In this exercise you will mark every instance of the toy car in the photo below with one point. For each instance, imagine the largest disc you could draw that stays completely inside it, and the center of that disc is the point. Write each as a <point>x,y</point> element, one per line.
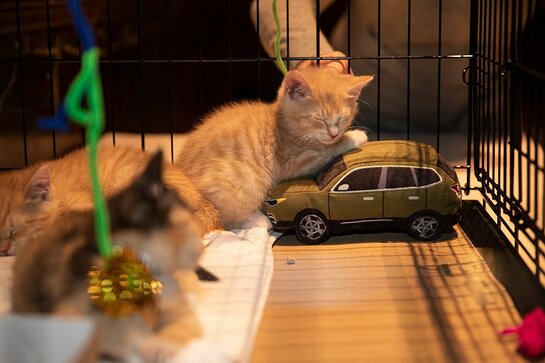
<point>401,184</point>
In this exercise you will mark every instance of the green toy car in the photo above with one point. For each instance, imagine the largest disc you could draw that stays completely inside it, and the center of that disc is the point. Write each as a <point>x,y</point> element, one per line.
<point>397,184</point>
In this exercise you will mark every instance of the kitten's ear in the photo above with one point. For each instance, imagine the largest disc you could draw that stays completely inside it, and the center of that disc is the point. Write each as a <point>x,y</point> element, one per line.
<point>297,86</point>
<point>153,174</point>
<point>361,82</point>
<point>38,189</point>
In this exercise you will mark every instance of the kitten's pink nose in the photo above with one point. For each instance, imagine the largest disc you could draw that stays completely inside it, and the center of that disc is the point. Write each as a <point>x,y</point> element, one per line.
<point>333,132</point>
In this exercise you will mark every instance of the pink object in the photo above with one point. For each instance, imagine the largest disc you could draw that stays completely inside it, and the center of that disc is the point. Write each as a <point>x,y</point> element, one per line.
<point>531,334</point>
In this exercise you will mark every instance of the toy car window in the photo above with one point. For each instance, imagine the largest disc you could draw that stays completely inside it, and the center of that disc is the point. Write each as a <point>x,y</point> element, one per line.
<point>426,176</point>
<point>400,177</point>
<point>360,180</point>
<point>330,172</point>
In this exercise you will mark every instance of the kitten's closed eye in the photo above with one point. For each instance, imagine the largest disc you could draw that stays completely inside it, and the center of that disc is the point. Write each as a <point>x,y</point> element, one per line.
<point>13,231</point>
<point>320,120</point>
<point>332,121</point>
<point>7,240</point>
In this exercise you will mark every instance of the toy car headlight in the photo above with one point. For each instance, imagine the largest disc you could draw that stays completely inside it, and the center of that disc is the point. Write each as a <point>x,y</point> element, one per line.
<point>276,201</point>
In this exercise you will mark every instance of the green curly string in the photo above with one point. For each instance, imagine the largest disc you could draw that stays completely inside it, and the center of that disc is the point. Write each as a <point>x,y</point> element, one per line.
<point>88,84</point>
<point>279,60</point>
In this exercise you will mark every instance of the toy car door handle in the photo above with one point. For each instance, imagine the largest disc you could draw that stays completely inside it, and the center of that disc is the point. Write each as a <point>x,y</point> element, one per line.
<point>413,197</point>
<point>368,198</point>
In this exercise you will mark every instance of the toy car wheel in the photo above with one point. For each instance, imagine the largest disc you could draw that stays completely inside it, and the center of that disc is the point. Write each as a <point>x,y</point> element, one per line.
<point>311,227</point>
<point>425,227</point>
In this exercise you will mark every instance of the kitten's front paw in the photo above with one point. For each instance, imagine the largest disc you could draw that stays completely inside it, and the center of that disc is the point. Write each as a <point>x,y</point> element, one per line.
<point>355,138</point>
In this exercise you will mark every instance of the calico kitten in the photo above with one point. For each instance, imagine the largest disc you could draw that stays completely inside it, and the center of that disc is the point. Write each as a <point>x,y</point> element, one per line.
<point>30,198</point>
<point>50,274</point>
<point>241,150</point>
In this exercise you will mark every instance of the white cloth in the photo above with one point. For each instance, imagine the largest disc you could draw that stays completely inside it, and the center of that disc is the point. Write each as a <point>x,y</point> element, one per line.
<point>230,309</point>
<point>30,339</point>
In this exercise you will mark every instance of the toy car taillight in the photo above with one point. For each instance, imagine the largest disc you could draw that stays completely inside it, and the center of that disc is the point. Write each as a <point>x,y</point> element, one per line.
<point>456,189</point>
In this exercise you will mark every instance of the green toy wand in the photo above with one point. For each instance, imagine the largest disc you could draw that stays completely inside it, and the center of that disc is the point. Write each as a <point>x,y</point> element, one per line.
<point>87,86</point>
<point>279,60</point>
<point>124,284</point>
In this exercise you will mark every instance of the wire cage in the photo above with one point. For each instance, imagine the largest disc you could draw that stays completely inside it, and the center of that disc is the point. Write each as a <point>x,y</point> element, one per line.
<point>464,76</point>
<point>506,94</point>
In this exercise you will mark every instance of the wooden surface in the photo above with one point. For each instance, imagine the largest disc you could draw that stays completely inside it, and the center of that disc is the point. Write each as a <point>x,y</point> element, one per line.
<point>380,298</point>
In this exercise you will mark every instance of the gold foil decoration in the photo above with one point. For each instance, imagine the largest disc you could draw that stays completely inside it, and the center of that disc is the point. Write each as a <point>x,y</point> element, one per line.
<point>123,286</point>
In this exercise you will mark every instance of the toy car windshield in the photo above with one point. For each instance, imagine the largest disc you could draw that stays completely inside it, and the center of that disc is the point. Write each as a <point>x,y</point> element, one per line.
<point>330,172</point>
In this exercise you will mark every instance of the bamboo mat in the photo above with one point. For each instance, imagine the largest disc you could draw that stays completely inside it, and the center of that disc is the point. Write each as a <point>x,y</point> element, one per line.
<point>380,298</point>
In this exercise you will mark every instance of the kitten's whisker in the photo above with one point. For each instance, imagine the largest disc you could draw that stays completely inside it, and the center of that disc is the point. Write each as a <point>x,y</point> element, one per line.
<point>361,115</point>
<point>358,127</point>
<point>368,105</point>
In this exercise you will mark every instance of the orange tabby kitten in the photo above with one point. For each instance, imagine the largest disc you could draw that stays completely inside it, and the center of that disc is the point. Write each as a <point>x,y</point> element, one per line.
<point>241,150</point>
<point>30,198</point>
